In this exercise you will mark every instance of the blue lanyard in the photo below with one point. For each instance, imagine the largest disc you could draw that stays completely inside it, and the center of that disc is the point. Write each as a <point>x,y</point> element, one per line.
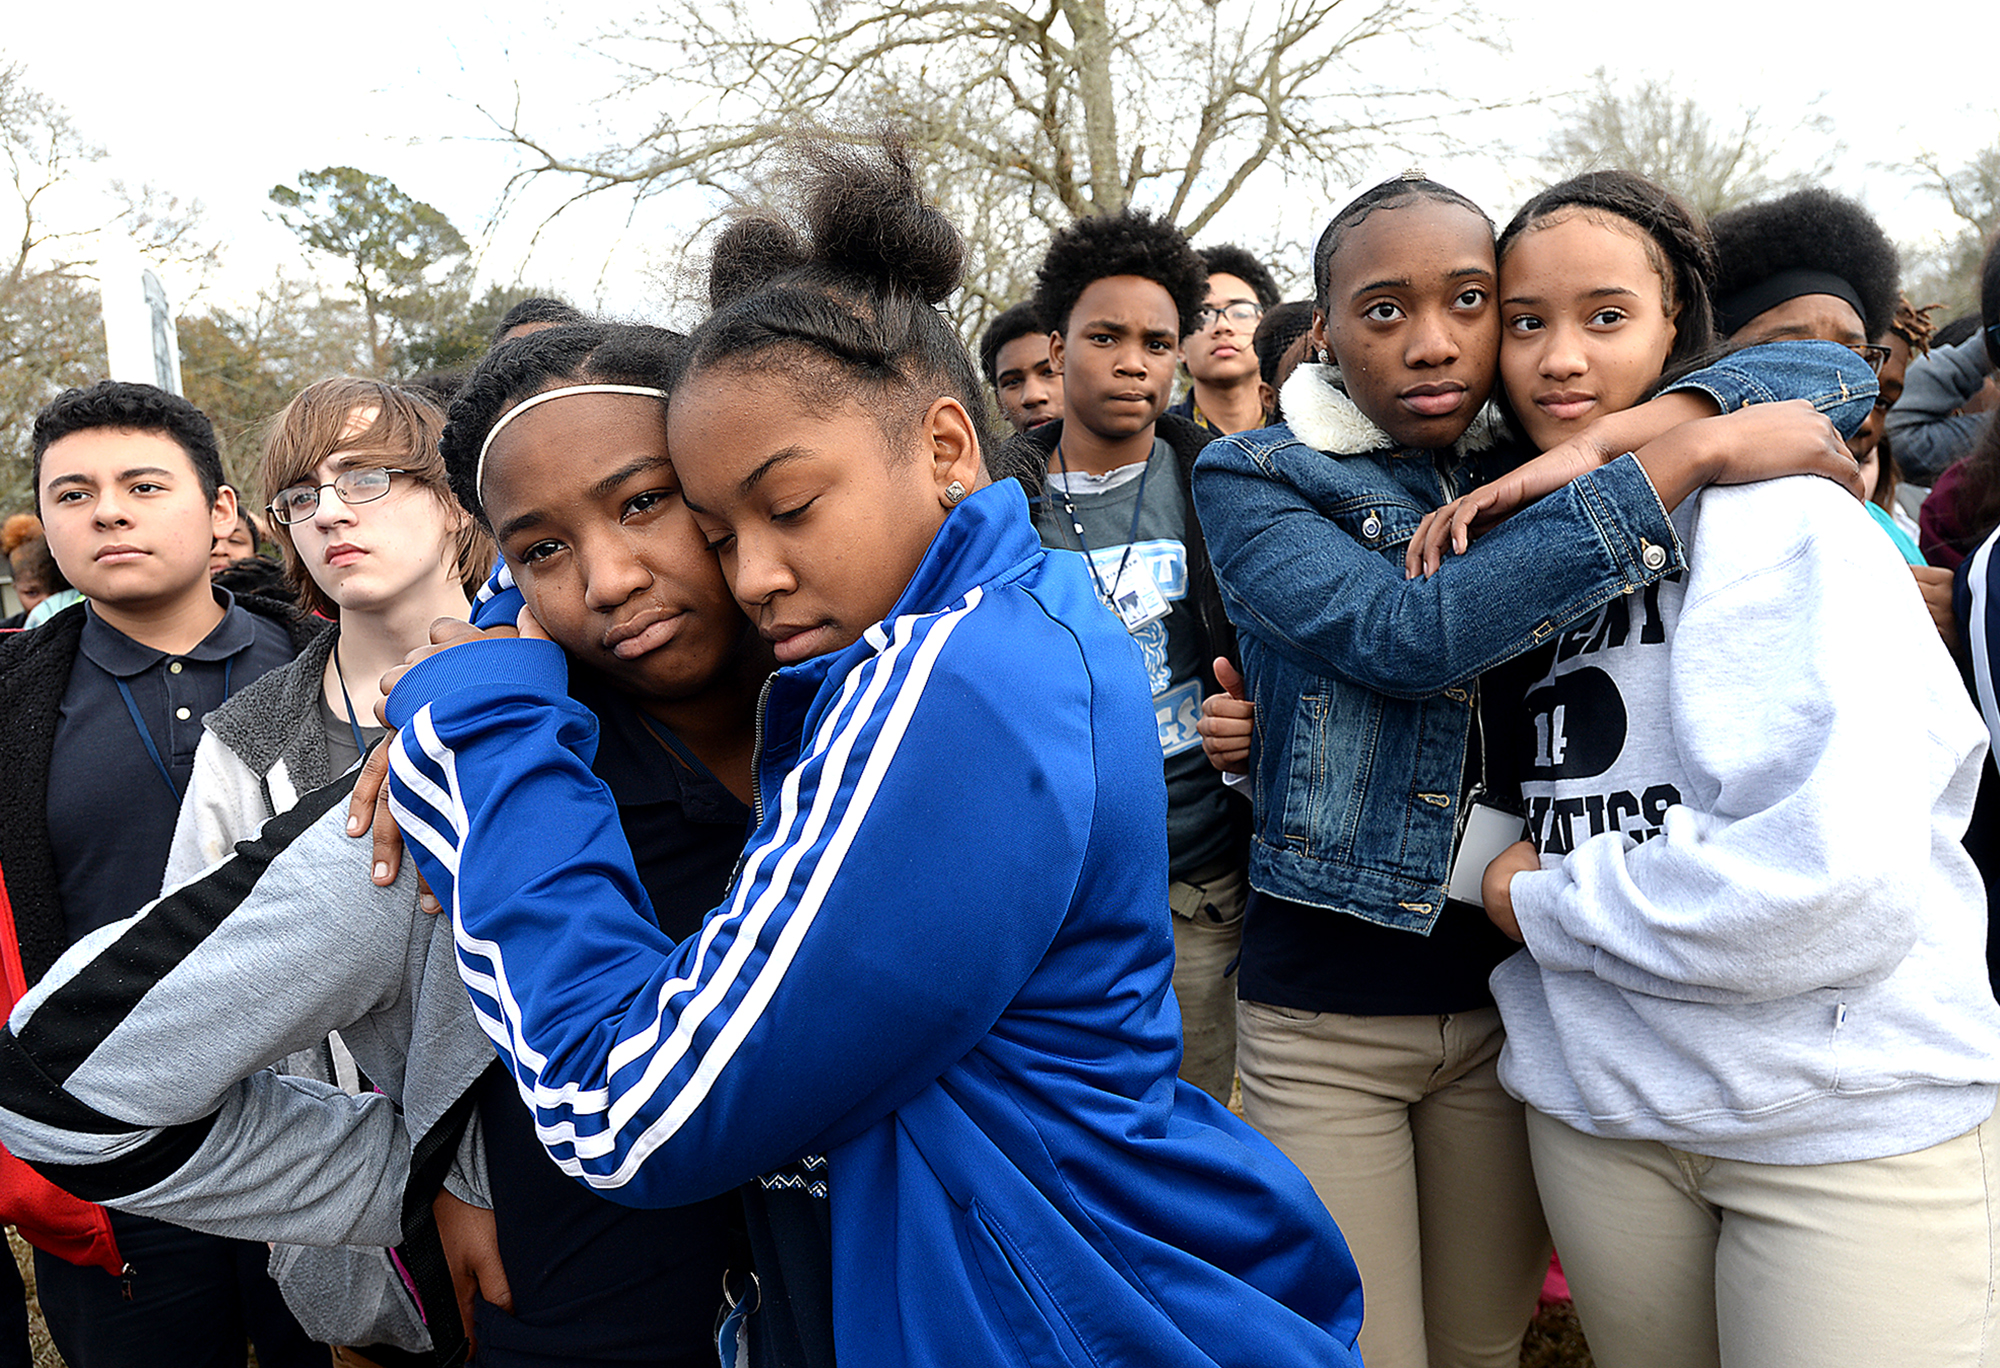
<point>340,677</point>
<point>675,746</point>
<point>1076,525</point>
<point>153,751</point>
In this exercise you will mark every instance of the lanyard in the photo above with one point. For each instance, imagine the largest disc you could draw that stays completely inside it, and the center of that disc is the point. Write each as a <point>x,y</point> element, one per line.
<point>153,751</point>
<point>340,677</point>
<point>1076,525</point>
<point>675,746</point>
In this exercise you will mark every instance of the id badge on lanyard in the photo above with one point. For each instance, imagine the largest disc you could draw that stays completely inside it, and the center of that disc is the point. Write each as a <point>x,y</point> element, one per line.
<point>1139,602</point>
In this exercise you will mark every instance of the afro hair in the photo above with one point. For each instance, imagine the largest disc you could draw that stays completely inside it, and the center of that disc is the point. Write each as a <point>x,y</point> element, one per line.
<point>1226,258</point>
<point>1814,230</point>
<point>1127,243</point>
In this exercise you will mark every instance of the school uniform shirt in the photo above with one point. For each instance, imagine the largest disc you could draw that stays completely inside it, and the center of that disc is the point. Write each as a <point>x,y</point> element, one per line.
<point>1754,934</point>
<point>1133,520</point>
<point>595,1282</point>
<point>115,792</point>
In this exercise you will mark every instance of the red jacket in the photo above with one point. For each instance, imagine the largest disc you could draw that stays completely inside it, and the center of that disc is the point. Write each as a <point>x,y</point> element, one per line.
<point>47,1217</point>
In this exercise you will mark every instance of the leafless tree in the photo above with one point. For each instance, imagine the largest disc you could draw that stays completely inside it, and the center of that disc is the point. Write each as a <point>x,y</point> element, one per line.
<point>1029,112</point>
<point>51,326</point>
<point>1716,161</point>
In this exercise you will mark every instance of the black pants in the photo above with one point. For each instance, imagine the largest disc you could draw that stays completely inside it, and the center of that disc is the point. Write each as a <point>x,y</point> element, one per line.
<point>194,1300</point>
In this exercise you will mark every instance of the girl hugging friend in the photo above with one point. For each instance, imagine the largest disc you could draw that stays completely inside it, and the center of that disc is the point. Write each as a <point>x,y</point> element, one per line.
<point>1371,1043</point>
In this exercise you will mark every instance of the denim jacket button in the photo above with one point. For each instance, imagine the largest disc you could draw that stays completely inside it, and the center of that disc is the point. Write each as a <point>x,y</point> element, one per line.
<point>1371,527</point>
<point>1652,556</point>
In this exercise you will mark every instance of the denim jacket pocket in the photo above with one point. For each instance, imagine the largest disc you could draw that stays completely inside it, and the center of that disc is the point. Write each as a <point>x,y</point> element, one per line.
<point>1380,522</point>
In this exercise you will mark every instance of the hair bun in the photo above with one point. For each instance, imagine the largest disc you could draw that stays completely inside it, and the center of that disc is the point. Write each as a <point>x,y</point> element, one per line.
<point>866,212</point>
<point>752,250</point>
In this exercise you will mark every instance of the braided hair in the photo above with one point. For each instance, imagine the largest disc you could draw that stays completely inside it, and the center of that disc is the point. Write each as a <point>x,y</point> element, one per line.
<point>1390,194</point>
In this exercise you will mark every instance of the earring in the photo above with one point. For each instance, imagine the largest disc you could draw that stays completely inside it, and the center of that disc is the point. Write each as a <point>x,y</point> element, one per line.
<point>953,492</point>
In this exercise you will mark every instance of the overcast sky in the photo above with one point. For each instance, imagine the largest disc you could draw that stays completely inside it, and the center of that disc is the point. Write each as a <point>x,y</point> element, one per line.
<point>222,101</point>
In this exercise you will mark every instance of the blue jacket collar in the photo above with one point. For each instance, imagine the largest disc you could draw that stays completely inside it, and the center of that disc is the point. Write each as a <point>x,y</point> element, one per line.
<point>987,537</point>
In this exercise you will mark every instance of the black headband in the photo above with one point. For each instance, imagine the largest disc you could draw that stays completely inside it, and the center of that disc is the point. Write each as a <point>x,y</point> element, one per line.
<point>1768,293</point>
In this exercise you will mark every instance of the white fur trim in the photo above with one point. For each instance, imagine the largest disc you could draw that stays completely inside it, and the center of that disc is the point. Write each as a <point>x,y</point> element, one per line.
<point>1321,415</point>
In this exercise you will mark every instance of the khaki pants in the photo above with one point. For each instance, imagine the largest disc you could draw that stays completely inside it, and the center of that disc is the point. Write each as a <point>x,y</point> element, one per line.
<point>1682,1260</point>
<point>1208,935</point>
<point>1401,1125</point>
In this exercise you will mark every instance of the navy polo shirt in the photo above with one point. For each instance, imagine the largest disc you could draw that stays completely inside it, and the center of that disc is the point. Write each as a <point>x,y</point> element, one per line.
<point>111,811</point>
<point>595,1282</point>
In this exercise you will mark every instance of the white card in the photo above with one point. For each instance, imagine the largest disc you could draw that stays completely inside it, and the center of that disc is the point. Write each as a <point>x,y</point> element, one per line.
<point>1488,831</point>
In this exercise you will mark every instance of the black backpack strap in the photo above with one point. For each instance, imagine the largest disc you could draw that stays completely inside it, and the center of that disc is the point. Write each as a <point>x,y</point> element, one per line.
<point>422,1252</point>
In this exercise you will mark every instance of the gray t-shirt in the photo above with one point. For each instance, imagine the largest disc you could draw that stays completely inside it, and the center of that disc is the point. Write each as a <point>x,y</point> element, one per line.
<point>341,755</point>
<point>1133,519</point>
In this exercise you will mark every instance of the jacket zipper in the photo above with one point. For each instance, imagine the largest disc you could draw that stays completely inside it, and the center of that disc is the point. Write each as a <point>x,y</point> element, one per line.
<point>757,753</point>
<point>756,776</point>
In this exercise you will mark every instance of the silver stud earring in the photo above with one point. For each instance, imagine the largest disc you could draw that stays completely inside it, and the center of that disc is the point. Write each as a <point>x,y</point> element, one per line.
<point>953,492</point>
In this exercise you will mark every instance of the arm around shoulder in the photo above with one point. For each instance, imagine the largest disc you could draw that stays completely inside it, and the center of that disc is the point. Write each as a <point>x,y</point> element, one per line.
<point>1787,861</point>
<point>1293,575</point>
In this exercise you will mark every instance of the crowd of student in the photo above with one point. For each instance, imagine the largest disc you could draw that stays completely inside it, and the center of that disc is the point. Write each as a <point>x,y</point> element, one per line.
<point>1516,716</point>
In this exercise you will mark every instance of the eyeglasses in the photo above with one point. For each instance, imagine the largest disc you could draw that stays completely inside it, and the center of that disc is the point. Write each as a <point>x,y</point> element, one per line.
<point>364,484</point>
<point>1873,353</point>
<point>1242,311</point>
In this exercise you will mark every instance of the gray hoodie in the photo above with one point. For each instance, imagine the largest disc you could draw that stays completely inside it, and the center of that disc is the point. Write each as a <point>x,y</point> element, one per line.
<point>1755,934</point>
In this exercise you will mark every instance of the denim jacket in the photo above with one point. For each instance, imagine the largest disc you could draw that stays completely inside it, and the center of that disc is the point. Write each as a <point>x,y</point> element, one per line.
<point>1365,682</point>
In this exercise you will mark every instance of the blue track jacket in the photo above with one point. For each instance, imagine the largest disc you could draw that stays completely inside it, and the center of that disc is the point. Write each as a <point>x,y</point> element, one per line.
<point>944,963</point>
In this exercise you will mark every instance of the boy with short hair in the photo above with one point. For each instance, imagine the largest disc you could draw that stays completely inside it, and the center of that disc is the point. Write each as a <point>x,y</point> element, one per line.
<point>1226,391</point>
<point>110,699</point>
<point>1118,293</point>
<point>1014,355</point>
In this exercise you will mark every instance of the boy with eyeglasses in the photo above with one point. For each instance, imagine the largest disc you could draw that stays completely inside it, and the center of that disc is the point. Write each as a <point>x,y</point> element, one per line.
<point>1227,392</point>
<point>104,705</point>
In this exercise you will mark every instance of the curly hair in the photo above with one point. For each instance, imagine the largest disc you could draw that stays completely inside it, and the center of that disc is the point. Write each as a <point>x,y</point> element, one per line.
<point>841,297</point>
<point>19,528</point>
<point>1127,243</point>
<point>1389,194</point>
<point>1807,230</point>
<point>1677,244</point>
<point>28,555</point>
<point>572,354</point>
<point>1019,321</point>
<point>137,408</point>
<point>1226,258</point>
